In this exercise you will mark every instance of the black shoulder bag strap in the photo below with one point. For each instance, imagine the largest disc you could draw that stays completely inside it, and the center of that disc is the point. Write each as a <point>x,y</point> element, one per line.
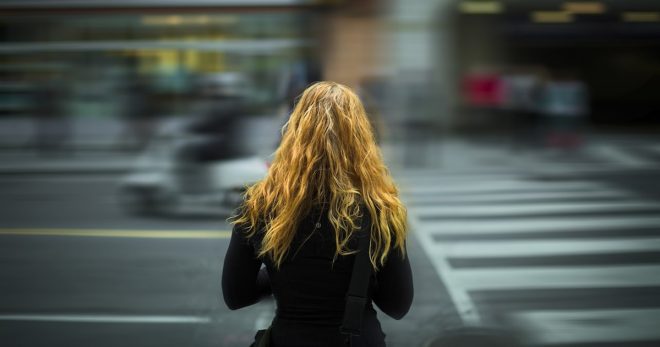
<point>356,297</point>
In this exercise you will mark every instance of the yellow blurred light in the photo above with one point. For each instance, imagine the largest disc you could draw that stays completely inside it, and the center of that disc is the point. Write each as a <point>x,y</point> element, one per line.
<point>161,20</point>
<point>174,20</point>
<point>585,7</point>
<point>481,7</point>
<point>641,17</point>
<point>188,20</point>
<point>191,60</point>
<point>552,17</point>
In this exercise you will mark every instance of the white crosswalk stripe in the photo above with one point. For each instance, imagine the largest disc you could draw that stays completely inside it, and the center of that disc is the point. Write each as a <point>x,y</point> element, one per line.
<point>626,156</point>
<point>590,326</point>
<point>559,277</point>
<point>544,220</point>
<point>497,197</point>
<point>536,225</point>
<point>487,186</point>
<point>522,209</point>
<point>527,248</point>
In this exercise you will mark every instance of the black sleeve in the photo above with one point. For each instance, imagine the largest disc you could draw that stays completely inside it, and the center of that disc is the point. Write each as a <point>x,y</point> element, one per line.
<point>393,290</point>
<point>243,284</point>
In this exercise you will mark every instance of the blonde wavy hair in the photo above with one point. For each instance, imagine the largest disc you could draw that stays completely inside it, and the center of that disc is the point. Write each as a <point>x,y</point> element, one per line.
<point>327,155</point>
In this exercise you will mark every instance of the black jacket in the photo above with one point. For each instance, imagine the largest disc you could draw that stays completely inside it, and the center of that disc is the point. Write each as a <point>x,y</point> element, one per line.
<point>310,289</point>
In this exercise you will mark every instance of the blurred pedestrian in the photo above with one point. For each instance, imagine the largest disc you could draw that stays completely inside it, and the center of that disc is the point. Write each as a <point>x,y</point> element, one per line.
<point>327,223</point>
<point>565,107</point>
<point>522,93</point>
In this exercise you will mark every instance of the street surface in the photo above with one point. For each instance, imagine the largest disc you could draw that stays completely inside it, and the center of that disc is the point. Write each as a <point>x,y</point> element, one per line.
<point>565,252</point>
<point>75,270</point>
<point>556,249</point>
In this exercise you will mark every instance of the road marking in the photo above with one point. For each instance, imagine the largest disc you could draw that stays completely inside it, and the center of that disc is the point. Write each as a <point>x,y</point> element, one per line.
<point>522,209</point>
<point>559,277</point>
<point>619,156</point>
<point>537,248</point>
<point>540,225</point>
<point>410,175</point>
<point>92,318</point>
<point>157,234</point>
<point>459,296</point>
<point>530,196</point>
<point>495,186</point>
<point>589,326</point>
<point>451,179</point>
<point>524,203</point>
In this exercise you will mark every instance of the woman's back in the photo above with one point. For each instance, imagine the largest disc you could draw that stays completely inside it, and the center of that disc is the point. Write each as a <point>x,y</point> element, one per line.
<point>310,289</point>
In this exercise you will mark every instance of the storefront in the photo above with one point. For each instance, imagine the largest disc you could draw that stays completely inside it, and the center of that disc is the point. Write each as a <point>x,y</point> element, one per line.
<point>94,53</point>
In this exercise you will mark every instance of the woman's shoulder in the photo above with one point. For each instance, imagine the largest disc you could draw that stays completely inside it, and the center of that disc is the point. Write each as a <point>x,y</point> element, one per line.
<point>242,227</point>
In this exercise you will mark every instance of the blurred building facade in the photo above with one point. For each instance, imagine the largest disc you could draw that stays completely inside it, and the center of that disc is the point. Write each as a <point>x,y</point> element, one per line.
<point>591,59</point>
<point>424,67</point>
<point>101,48</point>
<point>147,60</point>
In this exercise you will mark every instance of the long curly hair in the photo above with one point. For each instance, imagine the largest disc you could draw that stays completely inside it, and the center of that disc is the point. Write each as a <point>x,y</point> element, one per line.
<point>327,156</point>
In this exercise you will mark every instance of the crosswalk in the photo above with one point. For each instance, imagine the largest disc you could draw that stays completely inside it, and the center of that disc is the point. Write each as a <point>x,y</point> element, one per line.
<point>566,261</point>
<point>633,156</point>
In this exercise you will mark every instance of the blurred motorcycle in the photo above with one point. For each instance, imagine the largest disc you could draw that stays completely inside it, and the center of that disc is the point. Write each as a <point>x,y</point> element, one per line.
<point>166,180</point>
<point>196,164</point>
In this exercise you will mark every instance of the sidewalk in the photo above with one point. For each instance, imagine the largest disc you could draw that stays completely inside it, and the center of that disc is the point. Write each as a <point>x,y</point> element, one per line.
<point>86,133</point>
<point>91,147</point>
<point>455,155</point>
<point>25,162</point>
<point>96,145</point>
<point>96,148</point>
<point>496,154</point>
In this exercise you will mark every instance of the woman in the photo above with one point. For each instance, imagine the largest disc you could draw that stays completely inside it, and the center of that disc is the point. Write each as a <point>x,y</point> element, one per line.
<point>327,179</point>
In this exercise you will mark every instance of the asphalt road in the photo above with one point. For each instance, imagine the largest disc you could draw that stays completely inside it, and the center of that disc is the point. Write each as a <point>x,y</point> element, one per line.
<point>81,201</point>
<point>101,288</point>
<point>559,259</point>
<point>75,270</point>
